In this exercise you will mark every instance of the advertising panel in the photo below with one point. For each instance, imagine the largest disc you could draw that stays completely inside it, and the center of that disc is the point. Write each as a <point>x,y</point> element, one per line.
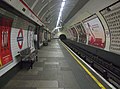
<point>81,32</point>
<point>74,33</point>
<point>30,39</point>
<point>45,35</point>
<point>71,32</point>
<point>49,36</point>
<point>40,36</point>
<point>68,33</point>
<point>95,31</point>
<point>5,47</point>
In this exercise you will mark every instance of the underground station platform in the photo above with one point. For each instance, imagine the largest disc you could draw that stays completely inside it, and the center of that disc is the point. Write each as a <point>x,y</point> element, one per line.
<point>58,67</point>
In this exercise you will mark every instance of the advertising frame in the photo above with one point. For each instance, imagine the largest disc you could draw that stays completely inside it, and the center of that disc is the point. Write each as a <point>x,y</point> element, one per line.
<point>5,38</point>
<point>81,29</point>
<point>95,44</point>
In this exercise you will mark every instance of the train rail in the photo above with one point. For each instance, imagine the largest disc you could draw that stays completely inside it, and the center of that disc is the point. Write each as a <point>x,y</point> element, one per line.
<point>106,63</point>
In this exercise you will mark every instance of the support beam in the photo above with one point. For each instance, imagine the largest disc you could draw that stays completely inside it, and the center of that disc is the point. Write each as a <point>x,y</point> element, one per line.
<point>34,4</point>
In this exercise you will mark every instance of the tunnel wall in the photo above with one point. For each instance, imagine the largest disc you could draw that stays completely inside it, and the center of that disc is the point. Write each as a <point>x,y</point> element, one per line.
<point>93,9</point>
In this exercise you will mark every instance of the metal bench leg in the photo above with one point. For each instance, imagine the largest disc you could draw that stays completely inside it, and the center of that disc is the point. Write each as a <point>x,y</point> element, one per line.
<point>31,64</point>
<point>36,58</point>
<point>21,64</point>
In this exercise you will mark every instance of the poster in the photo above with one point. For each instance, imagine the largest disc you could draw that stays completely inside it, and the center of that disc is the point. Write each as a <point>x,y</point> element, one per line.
<point>45,36</point>
<point>95,31</point>
<point>40,36</point>
<point>81,32</point>
<point>74,33</point>
<point>68,33</point>
<point>30,39</point>
<point>5,47</point>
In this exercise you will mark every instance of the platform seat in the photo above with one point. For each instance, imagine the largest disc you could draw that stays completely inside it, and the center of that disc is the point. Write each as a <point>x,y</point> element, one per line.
<point>27,58</point>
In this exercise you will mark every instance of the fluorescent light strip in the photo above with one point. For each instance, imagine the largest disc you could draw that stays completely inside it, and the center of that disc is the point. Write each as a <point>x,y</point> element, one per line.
<point>60,13</point>
<point>59,17</point>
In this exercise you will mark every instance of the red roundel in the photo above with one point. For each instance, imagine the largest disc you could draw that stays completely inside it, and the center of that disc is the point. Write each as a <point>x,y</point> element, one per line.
<point>20,38</point>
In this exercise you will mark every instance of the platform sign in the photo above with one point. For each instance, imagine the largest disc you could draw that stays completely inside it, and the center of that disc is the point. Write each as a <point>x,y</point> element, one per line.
<point>95,31</point>
<point>20,39</point>
<point>5,47</point>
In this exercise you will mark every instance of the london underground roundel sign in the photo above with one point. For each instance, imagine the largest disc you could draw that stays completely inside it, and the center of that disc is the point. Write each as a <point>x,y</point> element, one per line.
<point>20,38</point>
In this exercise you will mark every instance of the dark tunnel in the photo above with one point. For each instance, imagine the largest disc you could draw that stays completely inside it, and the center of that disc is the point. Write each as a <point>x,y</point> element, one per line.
<point>62,37</point>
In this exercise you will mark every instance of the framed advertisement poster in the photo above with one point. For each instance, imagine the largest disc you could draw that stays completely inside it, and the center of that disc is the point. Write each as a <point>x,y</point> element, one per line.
<point>95,31</point>
<point>30,38</point>
<point>45,35</point>
<point>68,32</point>
<point>74,33</point>
<point>81,32</point>
<point>40,36</point>
<point>5,46</point>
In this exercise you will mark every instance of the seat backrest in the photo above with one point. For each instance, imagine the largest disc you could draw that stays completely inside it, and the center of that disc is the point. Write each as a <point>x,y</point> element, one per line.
<point>25,52</point>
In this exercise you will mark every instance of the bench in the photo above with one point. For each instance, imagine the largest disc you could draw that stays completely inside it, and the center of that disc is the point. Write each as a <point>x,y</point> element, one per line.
<point>45,43</point>
<point>27,58</point>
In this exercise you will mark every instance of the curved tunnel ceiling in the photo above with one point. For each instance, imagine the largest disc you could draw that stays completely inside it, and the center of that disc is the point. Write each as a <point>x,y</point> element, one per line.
<point>48,10</point>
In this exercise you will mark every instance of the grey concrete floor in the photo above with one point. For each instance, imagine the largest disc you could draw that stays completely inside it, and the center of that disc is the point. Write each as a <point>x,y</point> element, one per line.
<point>55,69</point>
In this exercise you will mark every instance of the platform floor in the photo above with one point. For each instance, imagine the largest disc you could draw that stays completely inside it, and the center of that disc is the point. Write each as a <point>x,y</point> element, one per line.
<point>55,69</point>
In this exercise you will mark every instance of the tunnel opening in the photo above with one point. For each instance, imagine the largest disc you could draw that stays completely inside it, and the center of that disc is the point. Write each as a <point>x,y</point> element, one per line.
<point>62,37</point>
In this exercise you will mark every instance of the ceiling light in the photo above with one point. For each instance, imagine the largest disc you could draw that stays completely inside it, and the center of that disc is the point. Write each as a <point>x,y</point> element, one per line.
<point>63,3</point>
<point>60,14</point>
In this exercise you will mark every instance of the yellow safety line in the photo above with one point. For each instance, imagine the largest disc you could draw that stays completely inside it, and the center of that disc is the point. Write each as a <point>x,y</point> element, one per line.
<point>99,84</point>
